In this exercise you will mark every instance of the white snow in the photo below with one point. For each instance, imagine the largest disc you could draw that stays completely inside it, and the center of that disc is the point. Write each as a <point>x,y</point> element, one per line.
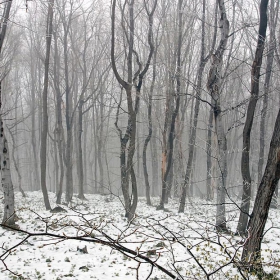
<point>166,237</point>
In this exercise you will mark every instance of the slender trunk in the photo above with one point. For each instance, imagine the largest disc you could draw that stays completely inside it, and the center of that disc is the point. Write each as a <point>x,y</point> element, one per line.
<point>33,128</point>
<point>44,131</point>
<point>169,153</point>
<point>192,138</point>
<point>155,165</point>
<point>209,158</point>
<point>69,124</point>
<point>245,160</point>
<point>149,136</point>
<point>101,145</point>
<point>85,156</point>
<point>80,150</point>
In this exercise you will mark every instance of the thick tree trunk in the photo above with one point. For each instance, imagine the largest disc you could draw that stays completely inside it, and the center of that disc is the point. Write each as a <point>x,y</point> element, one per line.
<point>214,85</point>
<point>8,189</point>
<point>222,165</point>
<point>15,161</point>
<point>245,160</point>
<point>251,255</point>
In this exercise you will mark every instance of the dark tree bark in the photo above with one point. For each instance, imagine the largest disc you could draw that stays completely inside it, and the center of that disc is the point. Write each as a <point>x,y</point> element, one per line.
<point>128,140</point>
<point>168,156</point>
<point>148,138</point>
<point>150,124</point>
<point>251,253</point>
<point>245,160</point>
<point>44,131</point>
<point>59,126</point>
<point>192,138</point>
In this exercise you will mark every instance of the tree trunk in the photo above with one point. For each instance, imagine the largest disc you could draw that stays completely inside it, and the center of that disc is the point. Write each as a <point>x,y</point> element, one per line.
<point>209,191</point>
<point>129,139</point>
<point>8,189</point>
<point>192,138</point>
<point>15,160</point>
<point>214,85</point>
<point>44,132</point>
<point>251,255</point>
<point>33,127</point>
<point>245,160</point>
<point>80,150</point>
<point>69,122</point>
<point>168,156</point>
<point>150,131</point>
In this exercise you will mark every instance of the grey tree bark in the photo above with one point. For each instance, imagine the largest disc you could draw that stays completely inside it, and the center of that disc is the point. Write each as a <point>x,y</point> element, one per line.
<point>214,87</point>
<point>59,127</point>
<point>7,184</point>
<point>209,191</point>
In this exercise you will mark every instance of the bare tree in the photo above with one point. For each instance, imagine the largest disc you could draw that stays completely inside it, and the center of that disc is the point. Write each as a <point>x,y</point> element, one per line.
<point>251,255</point>
<point>192,139</point>
<point>8,189</point>
<point>44,132</point>
<point>214,87</point>
<point>255,80</point>
<point>136,79</point>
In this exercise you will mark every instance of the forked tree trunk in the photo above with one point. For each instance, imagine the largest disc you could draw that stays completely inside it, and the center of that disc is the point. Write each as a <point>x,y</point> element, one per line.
<point>245,160</point>
<point>129,139</point>
<point>214,87</point>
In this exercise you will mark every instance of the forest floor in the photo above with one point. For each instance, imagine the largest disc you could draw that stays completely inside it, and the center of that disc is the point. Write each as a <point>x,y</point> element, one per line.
<point>184,244</point>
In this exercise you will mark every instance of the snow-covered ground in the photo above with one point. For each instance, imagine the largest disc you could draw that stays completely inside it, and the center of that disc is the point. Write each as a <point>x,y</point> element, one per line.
<point>184,244</point>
